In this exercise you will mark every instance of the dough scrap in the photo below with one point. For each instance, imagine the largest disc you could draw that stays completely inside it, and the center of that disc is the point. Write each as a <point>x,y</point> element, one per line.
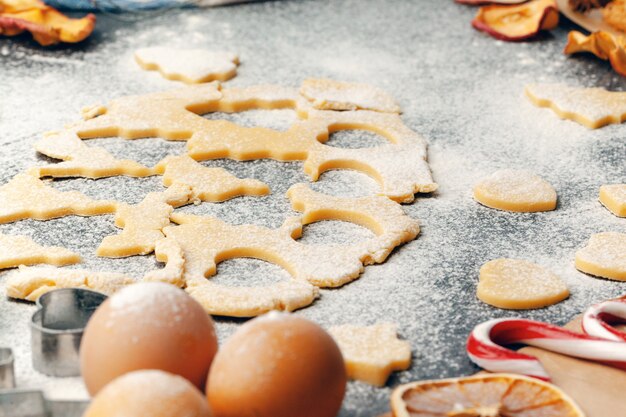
<point>515,190</point>
<point>207,184</point>
<point>379,214</point>
<point>372,353</point>
<point>590,107</point>
<point>224,300</point>
<point>80,160</point>
<point>400,167</point>
<point>518,284</point>
<point>604,256</point>
<point>322,266</point>
<point>142,223</point>
<point>171,115</point>
<point>188,65</point>
<point>29,283</point>
<point>168,251</point>
<point>22,250</point>
<point>613,197</point>
<point>26,196</point>
<point>325,94</point>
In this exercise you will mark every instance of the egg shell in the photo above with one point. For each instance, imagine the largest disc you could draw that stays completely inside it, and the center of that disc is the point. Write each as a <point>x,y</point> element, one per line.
<point>147,326</point>
<point>277,365</point>
<point>149,393</point>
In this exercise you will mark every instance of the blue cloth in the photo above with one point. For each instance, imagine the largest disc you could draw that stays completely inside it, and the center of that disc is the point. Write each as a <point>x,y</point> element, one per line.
<point>115,5</point>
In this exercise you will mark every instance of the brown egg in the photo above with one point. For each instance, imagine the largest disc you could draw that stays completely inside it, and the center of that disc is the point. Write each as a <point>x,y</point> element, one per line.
<point>147,326</point>
<point>149,393</point>
<point>277,365</point>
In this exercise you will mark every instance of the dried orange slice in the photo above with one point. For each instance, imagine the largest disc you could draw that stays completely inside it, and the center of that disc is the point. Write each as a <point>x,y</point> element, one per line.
<point>485,395</point>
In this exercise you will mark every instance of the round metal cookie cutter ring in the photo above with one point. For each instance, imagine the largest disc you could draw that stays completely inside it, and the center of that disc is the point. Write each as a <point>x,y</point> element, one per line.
<point>7,371</point>
<point>57,329</point>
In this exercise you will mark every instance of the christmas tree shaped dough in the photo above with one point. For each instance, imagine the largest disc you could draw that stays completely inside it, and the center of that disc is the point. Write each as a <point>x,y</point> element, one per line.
<point>21,250</point>
<point>604,256</point>
<point>26,196</point>
<point>518,284</point>
<point>143,222</point>
<point>188,65</point>
<point>372,353</point>
<point>80,160</point>
<point>207,184</point>
<point>613,197</point>
<point>325,94</point>
<point>591,107</point>
<point>514,190</point>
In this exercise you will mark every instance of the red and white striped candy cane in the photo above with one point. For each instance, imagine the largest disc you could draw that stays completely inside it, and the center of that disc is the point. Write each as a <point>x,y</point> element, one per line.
<point>598,319</point>
<point>483,346</point>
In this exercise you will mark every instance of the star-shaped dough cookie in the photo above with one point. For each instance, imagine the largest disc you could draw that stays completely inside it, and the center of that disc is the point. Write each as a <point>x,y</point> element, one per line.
<point>372,353</point>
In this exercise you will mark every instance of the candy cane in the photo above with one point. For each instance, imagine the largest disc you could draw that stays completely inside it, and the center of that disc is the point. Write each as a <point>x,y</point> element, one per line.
<point>597,320</point>
<point>483,346</point>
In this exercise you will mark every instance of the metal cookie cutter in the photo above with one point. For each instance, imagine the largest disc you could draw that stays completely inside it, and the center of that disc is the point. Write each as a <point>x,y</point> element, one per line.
<point>57,329</point>
<point>7,372</point>
<point>28,403</point>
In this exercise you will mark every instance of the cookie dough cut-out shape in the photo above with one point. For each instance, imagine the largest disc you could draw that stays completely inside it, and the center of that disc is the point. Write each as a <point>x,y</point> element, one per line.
<point>29,283</point>
<point>171,115</point>
<point>188,65</point>
<point>322,266</point>
<point>518,284</point>
<point>604,256</point>
<point>142,223</point>
<point>80,160</point>
<point>400,167</point>
<point>207,184</point>
<point>26,196</point>
<point>515,190</point>
<point>613,197</point>
<point>382,216</point>
<point>325,94</point>
<point>22,250</point>
<point>372,353</point>
<point>590,107</point>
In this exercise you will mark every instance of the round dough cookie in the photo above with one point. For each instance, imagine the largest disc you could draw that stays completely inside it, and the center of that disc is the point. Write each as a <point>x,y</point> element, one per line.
<point>149,393</point>
<point>515,190</point>
<point>517,284</point>
<point>604,256</point>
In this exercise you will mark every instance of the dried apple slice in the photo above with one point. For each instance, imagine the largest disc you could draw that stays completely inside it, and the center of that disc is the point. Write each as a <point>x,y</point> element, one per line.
<point>484,2</point>
<point>47,25</point>
<point>517,22</point>
<point>604,45</point>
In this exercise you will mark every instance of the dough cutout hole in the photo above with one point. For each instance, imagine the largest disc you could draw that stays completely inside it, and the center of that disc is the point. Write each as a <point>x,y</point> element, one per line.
<point>355,139</point>
<point>247,272</point>
<point>279,119</point>
<point>334,232</point>
<point>142,150</point>
<point>345,183</point>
